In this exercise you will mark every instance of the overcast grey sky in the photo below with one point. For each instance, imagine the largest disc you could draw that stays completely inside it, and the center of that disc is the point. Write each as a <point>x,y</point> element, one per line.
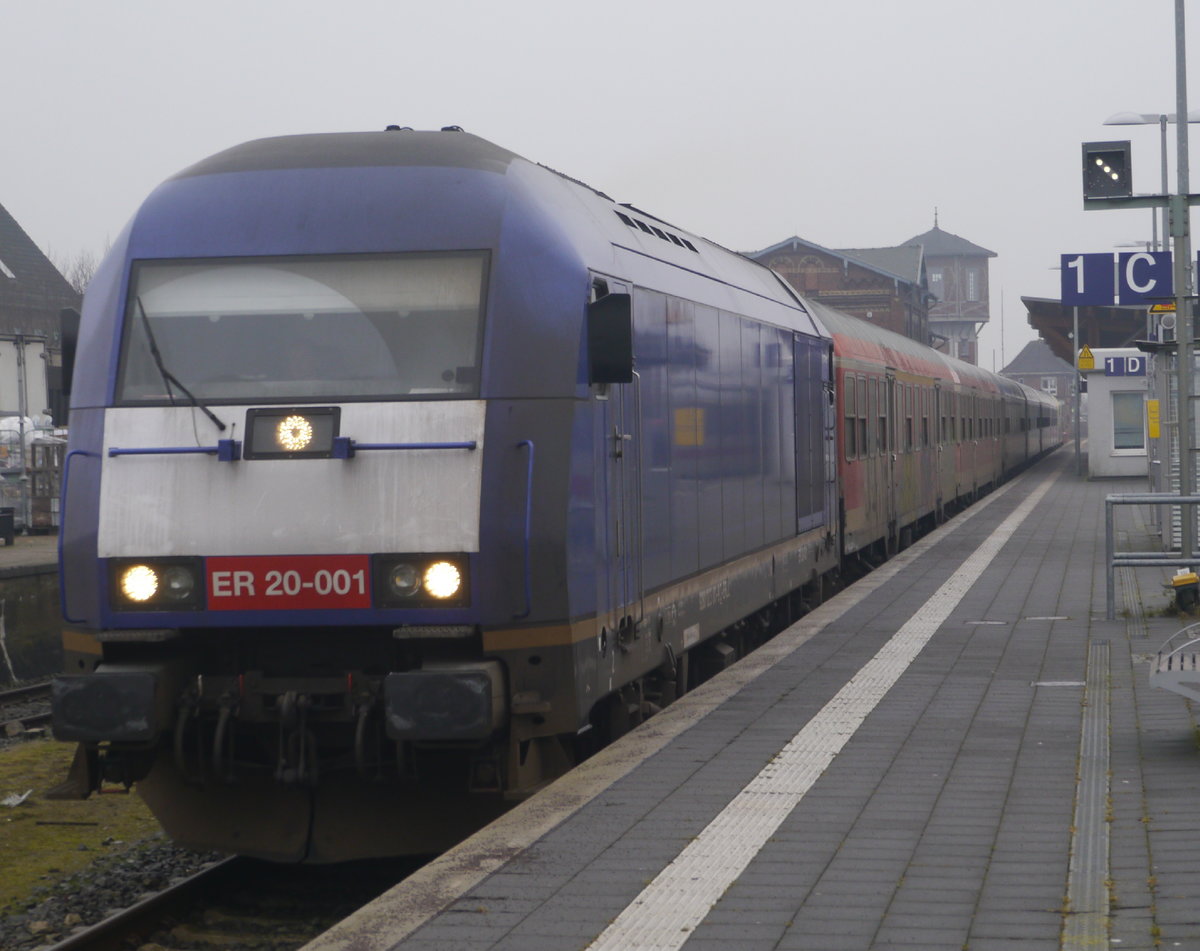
<point>843,122</point>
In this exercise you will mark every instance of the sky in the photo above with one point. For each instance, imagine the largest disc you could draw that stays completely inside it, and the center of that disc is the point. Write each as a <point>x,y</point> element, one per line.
<point>846,123</point>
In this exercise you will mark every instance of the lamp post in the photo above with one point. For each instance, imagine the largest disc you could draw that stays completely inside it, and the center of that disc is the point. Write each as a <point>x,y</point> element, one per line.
<point>1113,190</point>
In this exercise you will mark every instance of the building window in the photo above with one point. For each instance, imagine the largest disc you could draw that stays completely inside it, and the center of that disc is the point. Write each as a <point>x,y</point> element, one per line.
<point>1128,430</point>
<point>972,284</point>
<point>936,284</point>
<point>1050,385</point>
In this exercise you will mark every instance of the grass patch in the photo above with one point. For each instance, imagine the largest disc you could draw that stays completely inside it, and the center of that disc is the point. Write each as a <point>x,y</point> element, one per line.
<point>37,845</point>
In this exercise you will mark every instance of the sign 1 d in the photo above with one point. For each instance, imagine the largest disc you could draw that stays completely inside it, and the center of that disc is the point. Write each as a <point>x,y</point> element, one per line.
<point>1125,366</point>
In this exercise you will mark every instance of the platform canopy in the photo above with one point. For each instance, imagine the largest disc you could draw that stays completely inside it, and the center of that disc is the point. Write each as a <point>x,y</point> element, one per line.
<point>1099,326</point>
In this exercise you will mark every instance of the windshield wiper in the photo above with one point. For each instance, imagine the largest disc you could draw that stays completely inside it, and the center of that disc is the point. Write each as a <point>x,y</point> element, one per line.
<point>168,377</point>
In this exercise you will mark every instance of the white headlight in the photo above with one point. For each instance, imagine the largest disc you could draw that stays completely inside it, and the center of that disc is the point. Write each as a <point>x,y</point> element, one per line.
<point>442,579</point>
<point>294,433</point>
<point>139,582</point>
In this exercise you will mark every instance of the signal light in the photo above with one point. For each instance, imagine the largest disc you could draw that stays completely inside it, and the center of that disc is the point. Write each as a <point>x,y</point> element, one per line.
<point>1107,170</point>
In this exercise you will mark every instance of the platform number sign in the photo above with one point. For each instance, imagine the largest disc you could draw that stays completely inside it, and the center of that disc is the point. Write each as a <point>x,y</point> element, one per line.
<point>1129,279</point>
<point>1125,366</point>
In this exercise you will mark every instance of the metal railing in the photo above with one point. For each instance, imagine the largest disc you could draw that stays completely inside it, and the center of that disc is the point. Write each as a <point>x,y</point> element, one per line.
<point>1139,559</point>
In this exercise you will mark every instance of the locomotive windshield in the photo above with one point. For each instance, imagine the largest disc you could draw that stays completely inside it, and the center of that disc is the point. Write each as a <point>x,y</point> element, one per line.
<point>284,329</point>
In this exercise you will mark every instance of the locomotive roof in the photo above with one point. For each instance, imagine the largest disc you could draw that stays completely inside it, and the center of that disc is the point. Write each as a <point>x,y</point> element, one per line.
<point>631,237</point>
<point>398,147</point>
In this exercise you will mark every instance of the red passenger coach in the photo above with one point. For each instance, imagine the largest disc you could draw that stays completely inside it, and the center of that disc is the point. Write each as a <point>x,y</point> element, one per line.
<point>920,434</point>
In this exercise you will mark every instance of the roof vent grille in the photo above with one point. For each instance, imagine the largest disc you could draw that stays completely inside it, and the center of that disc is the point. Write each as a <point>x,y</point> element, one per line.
<point>639,225</point>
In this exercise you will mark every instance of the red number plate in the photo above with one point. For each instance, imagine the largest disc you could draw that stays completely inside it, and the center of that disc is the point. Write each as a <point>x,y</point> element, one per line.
<point>289,582</point>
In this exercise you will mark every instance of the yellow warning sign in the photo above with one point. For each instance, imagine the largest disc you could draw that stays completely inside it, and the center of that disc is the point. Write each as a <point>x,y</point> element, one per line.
<point>1163,308</point>
<point>1086,360</point>
<point>1152,420</point>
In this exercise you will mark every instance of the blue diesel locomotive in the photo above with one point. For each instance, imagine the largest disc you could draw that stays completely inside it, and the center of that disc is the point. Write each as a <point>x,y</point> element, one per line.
<point>403,472</point>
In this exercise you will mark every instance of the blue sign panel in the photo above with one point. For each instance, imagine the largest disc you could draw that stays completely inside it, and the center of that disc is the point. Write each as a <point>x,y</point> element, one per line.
<point>1087,279</point>
<point>1144,277</point>
<point>1125,366</point>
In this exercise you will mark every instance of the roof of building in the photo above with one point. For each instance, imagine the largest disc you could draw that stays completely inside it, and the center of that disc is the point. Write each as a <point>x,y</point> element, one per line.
<point>907,262</point>
<point>1037,357</point>
<point>939,243</point>
<point>27,278</point>
<point>903,264</point>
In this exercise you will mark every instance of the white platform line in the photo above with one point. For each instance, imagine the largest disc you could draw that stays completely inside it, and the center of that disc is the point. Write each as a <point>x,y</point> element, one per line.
<point>664,915</point>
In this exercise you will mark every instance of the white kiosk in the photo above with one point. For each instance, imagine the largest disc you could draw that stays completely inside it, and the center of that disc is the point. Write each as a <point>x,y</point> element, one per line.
<point>1117,432</point>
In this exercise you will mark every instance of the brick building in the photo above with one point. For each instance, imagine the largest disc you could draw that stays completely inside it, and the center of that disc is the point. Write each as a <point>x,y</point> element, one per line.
<point>957,271</point>
<point>885,286</point>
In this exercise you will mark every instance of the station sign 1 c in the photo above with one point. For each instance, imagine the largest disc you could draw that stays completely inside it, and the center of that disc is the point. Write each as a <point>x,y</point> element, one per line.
<point>1138,277</point>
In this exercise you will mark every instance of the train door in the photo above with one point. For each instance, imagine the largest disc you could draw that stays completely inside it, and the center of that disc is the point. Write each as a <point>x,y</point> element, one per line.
<point>619,506</point>
<point>830,438</point>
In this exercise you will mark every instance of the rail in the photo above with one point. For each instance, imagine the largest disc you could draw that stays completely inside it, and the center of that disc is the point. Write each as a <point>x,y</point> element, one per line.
<point>230,450</point>
<point>1139,559</point>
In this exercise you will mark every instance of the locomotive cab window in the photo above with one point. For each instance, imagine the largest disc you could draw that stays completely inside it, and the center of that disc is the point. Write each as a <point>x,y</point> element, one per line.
<point>405,326</point>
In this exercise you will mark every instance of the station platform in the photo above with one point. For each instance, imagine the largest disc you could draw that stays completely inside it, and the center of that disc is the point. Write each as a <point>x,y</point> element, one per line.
<point>957,752</point>
<point>29,553</point>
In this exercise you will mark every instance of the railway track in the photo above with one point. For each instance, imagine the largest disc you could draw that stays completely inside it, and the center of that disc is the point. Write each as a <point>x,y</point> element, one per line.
<point>242,903</point>
<point>27,705</point>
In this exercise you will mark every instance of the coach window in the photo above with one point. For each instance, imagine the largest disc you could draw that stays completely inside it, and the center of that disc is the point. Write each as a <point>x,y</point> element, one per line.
<point>1128,431</point>
<point>849,428</point>
<point>908,418</point>
<point>862,416</point>
<point>883,417</point>
<point>872,413</point>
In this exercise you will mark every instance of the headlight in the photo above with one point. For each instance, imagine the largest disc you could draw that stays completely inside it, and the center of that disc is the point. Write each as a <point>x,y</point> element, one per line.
<point>443,580</point>
<point>404,581</point>
<point>160,584</point>
<point>139,582</point>
<point>293,432</point>
<point>421,581</point>
<point>178,583</point>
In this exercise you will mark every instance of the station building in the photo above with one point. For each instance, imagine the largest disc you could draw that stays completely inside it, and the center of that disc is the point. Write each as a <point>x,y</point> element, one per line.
<point>932,288</point>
